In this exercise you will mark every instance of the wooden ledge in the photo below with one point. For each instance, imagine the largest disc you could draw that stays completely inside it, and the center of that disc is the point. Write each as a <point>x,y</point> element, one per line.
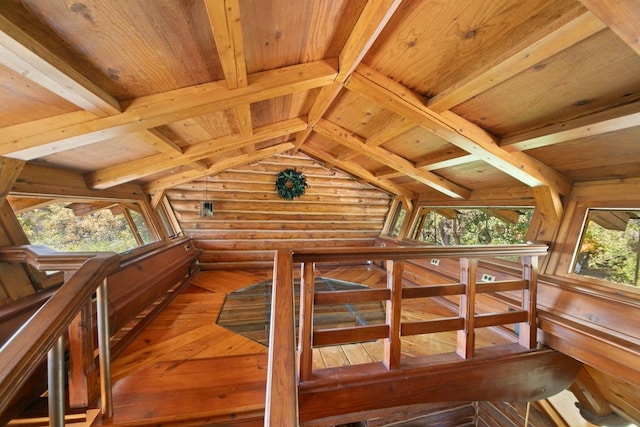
<point>502,373</point>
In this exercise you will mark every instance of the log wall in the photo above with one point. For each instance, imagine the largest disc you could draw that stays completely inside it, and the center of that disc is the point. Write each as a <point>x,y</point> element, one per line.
<point>250,221</point>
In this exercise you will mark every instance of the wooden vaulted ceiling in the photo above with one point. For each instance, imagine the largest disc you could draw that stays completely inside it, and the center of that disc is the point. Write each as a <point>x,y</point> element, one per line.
<point>442,99</point>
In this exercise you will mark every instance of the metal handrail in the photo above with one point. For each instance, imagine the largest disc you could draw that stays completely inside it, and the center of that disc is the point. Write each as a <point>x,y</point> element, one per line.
<point>22,353</point>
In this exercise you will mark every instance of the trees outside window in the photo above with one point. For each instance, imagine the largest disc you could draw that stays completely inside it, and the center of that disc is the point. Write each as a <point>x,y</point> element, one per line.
<point>609,247</point>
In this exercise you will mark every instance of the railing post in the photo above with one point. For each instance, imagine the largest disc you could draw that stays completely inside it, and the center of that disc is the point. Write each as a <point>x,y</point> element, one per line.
<point>56,373</point>
<point>466,339</point>
<point>104,349</point>
<point>281,404</point>
<point>529,331</point>
<point>305,323</point>
<point>83,372</point>
<point>392,344</point>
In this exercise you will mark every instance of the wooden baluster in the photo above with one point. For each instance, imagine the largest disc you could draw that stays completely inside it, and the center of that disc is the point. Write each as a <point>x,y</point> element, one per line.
<point>392,344</point>
<point>466,338</point>
<point>529,330</point>
<point>305,324</point>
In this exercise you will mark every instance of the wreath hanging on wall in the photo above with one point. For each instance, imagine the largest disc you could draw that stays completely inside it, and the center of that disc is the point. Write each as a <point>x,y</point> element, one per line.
<point>290,184</point>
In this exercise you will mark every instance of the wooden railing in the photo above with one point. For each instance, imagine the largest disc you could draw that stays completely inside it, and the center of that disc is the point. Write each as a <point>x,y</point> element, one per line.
<point>284,375</point>
<point>143,283</point>
<point>43,332</point>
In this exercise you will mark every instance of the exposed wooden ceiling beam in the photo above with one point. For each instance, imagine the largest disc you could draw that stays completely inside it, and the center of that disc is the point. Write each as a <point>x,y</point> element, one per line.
<point>611,120</point>
<point>348,139</point>
<point>139,168</point>
<point>461,133</point>
<point>375,15</point>
<point>27,57</point>
<point>224,19</point>
<point>445,159</point>
<point>622,16</point>
<point>9,172</point>
<point>217,167</point>
<point>356,170</point>
<point>163,144</point>
<point>157,140</point>
<point>27,142</point>
<point>569,29</point>
<point>392,130</point>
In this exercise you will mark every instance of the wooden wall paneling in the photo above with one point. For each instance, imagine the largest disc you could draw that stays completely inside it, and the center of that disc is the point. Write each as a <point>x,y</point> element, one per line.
<point>250,219</point>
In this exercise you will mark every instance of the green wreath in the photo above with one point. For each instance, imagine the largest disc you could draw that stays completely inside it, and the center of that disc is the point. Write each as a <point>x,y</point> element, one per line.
<point>290,184</point>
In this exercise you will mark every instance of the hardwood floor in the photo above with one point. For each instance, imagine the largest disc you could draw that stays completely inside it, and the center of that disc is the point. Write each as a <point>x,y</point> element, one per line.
<point>184,369</point>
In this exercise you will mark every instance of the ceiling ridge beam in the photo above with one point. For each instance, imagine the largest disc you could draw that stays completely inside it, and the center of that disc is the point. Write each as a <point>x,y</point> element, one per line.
<point>611,120</point>
<point>139,168</point>
<point>621,16</point>
<point>217,167</point>
<point>159,109</point>
<point>571,28</point>
<point>454,129</point>
<point>27,57</point>
<point>357,171</point>
<point>374,17</point>
<point>348,139</point>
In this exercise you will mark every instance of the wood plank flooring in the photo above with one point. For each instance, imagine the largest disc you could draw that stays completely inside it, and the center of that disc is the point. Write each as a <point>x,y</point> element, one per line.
<point>184,369</point>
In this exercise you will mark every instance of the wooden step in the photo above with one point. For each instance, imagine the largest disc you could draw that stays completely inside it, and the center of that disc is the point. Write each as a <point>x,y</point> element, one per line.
<point>84,419</point>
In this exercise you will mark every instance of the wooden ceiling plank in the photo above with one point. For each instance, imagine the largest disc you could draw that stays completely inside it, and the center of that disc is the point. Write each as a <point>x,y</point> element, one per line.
<point>348,139</point>
<point>622,16</point>
<point>375,15</point>
<point>10,170</point>
<point>27,57</point>
<point>400,99</point>
<point>356,170</point>
<point>561,34</point>
<point>139,168</point>
<point>217,167</point>
<point>611,120</point>
<point>157,140</point>
<point>159,109</point>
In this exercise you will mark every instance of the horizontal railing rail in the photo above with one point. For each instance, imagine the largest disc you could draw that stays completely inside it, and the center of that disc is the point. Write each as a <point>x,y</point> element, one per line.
<point>26,349</point>
<point>393,328</point>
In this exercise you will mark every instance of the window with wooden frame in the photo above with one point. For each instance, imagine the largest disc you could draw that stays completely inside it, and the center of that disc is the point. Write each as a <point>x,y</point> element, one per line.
<point>609,246</point>
<point>445,225</point>
<point>597,239</point>
<point>84,225</point>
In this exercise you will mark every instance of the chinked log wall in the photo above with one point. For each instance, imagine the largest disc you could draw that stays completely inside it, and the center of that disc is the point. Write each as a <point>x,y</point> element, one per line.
<point>250,220</point>
<point>592,327</point>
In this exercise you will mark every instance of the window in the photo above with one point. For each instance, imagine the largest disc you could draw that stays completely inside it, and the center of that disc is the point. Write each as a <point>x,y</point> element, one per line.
<point>91,226</point>
<point>398,220</point>
<point>472,226</point>
<point>609,247</point>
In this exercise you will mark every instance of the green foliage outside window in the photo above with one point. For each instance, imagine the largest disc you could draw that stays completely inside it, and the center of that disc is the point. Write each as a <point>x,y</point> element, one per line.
<point>610,247</point>
<point>57,227</point>
<point>473,226</point>
<point>401,213</point>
